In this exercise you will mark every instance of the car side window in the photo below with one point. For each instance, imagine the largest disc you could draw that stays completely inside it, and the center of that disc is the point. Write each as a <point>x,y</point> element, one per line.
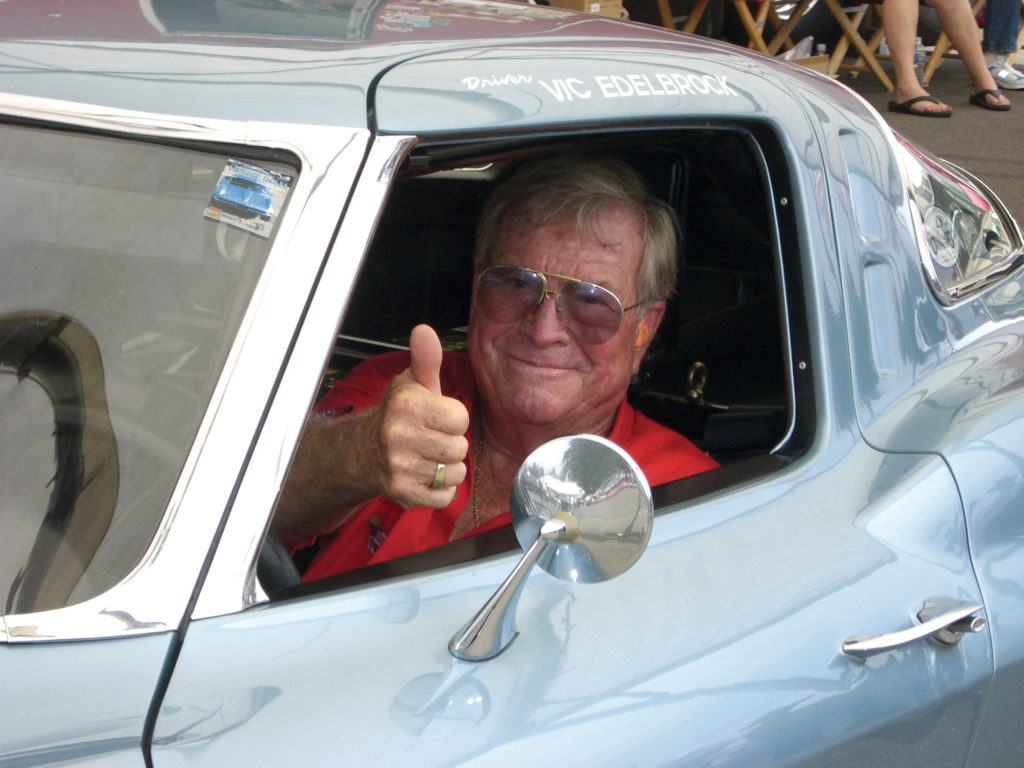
<point>718,371</point>
<point>124,286</point>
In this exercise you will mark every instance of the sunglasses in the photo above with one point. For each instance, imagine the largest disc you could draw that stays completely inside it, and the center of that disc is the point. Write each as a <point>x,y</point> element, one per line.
<point>592,314</point>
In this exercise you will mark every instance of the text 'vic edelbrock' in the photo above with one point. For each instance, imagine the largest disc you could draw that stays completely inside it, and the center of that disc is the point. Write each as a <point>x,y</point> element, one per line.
<point>613,86</point>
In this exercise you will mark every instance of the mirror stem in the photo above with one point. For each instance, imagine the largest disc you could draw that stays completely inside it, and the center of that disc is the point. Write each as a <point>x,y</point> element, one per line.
<point>492,630</point>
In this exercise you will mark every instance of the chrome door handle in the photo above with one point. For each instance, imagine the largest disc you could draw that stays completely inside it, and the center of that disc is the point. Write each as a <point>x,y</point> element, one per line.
<point>945,621</point>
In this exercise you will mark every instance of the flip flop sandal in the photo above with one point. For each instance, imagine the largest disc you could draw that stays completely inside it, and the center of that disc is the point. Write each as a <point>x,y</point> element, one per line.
<point>906,107</point>
<point>979,100</point>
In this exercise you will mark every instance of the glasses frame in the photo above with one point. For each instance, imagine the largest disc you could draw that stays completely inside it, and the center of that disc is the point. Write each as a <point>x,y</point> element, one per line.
<point>547,293</point>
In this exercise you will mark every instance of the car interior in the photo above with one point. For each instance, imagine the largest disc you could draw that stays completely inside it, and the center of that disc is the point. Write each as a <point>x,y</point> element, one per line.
<point>719,369</point>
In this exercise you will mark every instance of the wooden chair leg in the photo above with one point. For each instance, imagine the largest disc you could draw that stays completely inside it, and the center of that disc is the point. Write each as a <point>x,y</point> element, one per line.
<point>784,30</point>
<point>751,25</point>
<point>666,14</point>
<point>695,15</point>
<point>873,44</point>
<point>942,46</point>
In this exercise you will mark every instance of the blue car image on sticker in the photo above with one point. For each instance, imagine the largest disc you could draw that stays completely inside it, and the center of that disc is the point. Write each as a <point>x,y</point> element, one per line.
<point>248,197</point>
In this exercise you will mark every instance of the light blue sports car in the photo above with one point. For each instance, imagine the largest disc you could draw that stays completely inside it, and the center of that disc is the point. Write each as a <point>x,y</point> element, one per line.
<point>847,341</point>
<point>244,195</point>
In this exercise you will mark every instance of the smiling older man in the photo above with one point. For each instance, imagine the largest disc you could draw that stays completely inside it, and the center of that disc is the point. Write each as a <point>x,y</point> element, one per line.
<point>574,261</point>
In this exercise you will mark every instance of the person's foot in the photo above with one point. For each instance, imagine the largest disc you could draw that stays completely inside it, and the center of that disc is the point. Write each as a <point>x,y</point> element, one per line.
<point>918,102</point>
<point>990,98</point>
<point>1004,75</point>
<point>914,107</point>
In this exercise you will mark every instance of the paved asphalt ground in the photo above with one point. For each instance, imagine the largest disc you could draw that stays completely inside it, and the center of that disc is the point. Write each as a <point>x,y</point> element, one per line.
<point>988,144</point>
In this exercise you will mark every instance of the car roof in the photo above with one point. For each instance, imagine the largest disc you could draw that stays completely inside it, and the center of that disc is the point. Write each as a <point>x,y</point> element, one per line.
<point>389,65</point>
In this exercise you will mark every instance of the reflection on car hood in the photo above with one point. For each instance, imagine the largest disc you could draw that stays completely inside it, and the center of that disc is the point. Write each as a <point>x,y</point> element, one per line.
<point>318,63</point>
<point>323,23</point>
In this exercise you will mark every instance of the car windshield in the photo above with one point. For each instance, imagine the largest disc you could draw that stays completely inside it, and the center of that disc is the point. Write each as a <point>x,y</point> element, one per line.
<point>121,297</point>
<point>244,183</point>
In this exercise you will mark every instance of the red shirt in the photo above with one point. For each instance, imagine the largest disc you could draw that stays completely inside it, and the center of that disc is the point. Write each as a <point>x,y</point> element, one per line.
<point>381,529</point>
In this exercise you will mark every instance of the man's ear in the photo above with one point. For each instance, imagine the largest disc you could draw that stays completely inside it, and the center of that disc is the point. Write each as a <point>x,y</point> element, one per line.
<point>645,331</point>
<point>649,323</point>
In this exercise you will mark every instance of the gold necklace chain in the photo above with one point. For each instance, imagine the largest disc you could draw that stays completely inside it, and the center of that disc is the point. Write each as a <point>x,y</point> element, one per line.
<point>478,439</point>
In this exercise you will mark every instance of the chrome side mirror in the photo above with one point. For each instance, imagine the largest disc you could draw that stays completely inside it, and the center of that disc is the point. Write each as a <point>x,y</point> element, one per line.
<point>582,510</point>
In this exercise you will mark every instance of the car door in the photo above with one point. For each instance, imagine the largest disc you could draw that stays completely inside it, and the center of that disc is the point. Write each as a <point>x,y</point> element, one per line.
<point>721,646</point>
<point>724,644</point>
<point>99,716</point>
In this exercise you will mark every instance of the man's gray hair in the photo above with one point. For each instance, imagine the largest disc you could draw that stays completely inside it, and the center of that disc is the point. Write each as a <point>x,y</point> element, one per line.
<point>581,188</point>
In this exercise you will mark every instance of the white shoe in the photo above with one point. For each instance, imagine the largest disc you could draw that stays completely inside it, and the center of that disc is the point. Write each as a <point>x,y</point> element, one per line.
<point>1006,76</point>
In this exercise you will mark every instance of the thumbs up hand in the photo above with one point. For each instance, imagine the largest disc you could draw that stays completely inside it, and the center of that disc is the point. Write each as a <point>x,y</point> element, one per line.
<point>425,358</point>
<point>420,429</point>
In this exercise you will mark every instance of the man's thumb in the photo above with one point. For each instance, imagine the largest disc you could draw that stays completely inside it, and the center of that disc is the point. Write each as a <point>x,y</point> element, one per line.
<point>425,354</point>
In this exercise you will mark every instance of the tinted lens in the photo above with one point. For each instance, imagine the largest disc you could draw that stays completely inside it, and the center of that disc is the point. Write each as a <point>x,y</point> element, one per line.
<point>591,304</point>
<point>507,294</point>
<point>595,313</point>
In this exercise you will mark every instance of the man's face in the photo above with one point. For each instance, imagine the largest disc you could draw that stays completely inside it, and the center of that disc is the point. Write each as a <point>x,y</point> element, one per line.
<point>534,371</point>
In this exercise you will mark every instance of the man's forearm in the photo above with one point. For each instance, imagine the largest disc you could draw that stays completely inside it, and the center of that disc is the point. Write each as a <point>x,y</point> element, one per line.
<point>331,476</point>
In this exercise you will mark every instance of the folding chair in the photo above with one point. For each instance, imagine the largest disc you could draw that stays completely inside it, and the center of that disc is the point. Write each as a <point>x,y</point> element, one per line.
<point>863,62</point>
<point>754,25</point>
<point>849,20</point>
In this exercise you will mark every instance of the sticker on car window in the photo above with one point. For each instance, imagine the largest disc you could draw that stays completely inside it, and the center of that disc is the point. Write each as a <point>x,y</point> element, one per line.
<point>248,197</point>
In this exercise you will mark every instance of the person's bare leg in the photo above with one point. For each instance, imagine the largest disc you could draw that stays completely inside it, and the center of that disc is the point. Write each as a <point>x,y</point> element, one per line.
<point>962,30</point>
<point>899,18</point>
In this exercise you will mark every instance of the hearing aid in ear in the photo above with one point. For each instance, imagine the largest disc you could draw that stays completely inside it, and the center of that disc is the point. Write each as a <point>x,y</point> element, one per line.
<point>643,334</point>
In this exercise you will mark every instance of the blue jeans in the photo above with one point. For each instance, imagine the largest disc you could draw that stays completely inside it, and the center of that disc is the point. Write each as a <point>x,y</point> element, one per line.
<point>1002,21</point>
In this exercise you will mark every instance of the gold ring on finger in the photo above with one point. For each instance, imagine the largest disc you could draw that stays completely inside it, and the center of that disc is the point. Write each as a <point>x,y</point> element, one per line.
<point>438,480</point>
